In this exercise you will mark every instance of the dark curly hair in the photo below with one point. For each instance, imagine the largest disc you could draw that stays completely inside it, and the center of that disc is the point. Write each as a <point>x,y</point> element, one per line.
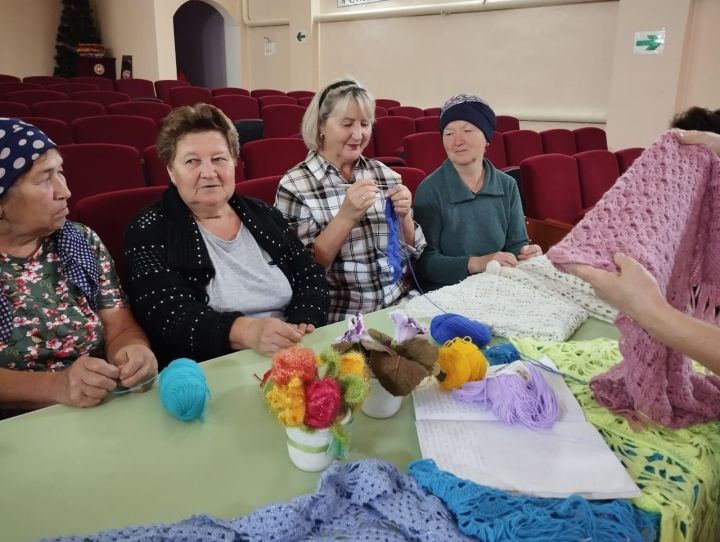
<point>698,118</point>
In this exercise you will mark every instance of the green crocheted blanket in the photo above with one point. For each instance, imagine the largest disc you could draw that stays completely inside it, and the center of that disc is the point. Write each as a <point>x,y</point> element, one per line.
<point>678,471</point>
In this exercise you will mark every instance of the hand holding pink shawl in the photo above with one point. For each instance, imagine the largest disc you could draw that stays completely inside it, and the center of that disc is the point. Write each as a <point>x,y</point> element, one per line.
<point>665,212</point>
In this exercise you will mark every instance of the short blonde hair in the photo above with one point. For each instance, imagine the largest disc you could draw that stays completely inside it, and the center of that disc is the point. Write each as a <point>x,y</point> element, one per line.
<point>339,93</point>
<point>193,119</point>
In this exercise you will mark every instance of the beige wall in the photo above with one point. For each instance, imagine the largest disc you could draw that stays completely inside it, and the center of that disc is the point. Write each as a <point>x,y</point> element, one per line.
<point>27,36</point>
<point>128,28</point>
<point>644,88</point>
<point>700,78</point>
<point>521,67</point>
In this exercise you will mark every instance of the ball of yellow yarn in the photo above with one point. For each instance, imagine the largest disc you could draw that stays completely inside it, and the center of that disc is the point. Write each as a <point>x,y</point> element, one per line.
<point>462,362</point>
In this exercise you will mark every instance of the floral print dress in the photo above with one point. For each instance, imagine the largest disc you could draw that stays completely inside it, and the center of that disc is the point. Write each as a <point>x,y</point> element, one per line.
<point>53,323</point>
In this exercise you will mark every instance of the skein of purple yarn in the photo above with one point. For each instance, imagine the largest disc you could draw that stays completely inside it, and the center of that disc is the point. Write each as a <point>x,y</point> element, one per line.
<point>513,399</point>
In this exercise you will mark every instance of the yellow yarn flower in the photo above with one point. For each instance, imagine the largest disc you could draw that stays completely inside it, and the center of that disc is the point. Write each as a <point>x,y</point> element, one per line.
<point>288,402</point>
<point>353,363</point>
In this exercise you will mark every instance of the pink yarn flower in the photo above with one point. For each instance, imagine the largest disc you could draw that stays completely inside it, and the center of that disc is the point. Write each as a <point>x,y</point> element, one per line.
<point>322,403</point>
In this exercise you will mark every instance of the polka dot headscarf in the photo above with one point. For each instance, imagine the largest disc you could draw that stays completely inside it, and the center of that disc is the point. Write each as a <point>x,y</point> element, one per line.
<point>20,145</point>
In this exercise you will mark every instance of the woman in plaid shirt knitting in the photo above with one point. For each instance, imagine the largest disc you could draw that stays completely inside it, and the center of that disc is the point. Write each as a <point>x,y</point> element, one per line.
<point>336,199</point>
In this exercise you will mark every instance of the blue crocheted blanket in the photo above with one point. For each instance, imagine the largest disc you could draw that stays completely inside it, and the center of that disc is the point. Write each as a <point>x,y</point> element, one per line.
<point>371,500</point>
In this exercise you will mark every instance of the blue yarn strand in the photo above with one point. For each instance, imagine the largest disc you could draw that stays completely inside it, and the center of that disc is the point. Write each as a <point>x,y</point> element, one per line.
<point>184,390</point>
<point>393,244</point>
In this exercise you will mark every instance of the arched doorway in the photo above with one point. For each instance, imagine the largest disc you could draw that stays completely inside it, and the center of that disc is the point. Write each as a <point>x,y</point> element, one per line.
<point>203,44</point>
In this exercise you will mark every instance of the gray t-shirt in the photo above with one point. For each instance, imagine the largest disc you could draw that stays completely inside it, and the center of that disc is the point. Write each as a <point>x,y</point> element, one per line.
<point>245,279</point>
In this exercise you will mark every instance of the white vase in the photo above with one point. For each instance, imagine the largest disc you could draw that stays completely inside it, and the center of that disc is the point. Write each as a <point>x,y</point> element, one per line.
<point>380,403</point>
<point>313,451</point>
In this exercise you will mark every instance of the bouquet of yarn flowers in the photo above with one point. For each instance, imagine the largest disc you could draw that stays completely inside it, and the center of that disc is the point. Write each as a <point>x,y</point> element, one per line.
<point>314,397</point>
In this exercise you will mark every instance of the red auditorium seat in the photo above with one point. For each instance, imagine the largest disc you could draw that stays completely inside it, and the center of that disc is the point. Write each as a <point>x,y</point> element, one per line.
<point>590,138</point>
<point>163,86</point>
<point>297,94</point>
<point>391,161</point>
<point>180,96</point>
<point>138,132</point>
<point>152,110</point>
<point>551,188</point>
<point>45,80</point>
<point>67,110</point>
<point>380,112</point>
<point>506,123</point>
<point>626,157</point>
<point>230,91</point>
<point>263,188</point>
<point>266,157</point>
<point>94,168</point>
<point>427,124</point>
<point>495,152</point>
<point>264,101</point>
<point>408,111</point>
<point>598,171</point>
<point>559,141</point>
<point>31,97</point>
<point>389,133</point>
<point>8,78</point>
<point>237,107</point>
<point>424,151</point>
<point>70,88</point>
<point>102,83</point>
<point>521,144</point>
<point>135,88</point>
<point>260,92</point>
<point>15,110</point>
<point>386,103</point>
<point>57,130</point>
<point>411,177</point>
<point>432,111</point>
<point>156,173</point>
<point>305,102</point>
<point>110,213</point>
<point>16,86</point>
<point>282,120</point>
<point>102,97</point>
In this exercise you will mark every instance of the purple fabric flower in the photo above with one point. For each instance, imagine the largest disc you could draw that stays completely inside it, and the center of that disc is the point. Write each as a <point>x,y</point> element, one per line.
<point>406,327</point>
<point>356,330</point>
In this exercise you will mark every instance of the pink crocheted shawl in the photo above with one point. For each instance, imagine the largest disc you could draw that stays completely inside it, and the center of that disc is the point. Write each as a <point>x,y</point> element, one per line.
<point>665,212</point>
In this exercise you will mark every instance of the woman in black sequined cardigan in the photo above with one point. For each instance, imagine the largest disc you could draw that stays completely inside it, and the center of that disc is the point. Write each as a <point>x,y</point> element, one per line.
<point>169,270</point>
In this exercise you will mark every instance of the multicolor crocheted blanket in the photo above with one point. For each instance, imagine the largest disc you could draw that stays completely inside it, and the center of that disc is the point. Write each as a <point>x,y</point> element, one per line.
<point>665,212</point>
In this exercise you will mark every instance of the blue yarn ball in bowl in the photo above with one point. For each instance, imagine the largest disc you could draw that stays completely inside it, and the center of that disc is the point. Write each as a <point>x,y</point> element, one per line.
<point>184,390</point>
<point>445,327</point>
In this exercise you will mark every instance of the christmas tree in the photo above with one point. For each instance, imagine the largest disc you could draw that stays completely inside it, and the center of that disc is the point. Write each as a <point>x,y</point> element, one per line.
<point>76,26</point>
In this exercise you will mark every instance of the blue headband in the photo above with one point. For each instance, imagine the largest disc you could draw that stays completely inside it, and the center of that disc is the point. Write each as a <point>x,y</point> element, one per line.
<point>469,108</point>
<point>20,145</point>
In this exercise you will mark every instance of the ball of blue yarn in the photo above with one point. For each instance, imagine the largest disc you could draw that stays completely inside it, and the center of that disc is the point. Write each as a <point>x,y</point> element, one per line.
<point>445,327</point>
<point>501,353</point>
<point>184,390</point>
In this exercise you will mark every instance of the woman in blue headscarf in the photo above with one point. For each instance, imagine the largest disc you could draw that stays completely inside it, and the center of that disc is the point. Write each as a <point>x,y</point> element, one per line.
<point>66,332</point>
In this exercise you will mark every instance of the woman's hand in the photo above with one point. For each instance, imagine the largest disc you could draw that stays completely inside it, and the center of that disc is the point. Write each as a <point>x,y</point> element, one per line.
<point>477,264</point>
<point>696,137</point>
<point>402,200</point>
<point>361,195</point>
<point>632,289</point>
<point>137,363</point>
<point>529,251</point>
<point>86,382</point>
<point>265,335</point>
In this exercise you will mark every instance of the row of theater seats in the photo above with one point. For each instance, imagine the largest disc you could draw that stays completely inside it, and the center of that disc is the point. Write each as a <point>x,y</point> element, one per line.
<point>563,188</point>
<point>110,212</point>
<point>507,149</point>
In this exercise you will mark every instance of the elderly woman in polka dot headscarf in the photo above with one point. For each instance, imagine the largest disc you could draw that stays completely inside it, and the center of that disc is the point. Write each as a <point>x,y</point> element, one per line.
<point>66,333</point>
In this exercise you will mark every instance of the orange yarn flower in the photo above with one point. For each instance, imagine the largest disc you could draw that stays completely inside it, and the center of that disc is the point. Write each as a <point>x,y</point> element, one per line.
<point>296,361</point>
